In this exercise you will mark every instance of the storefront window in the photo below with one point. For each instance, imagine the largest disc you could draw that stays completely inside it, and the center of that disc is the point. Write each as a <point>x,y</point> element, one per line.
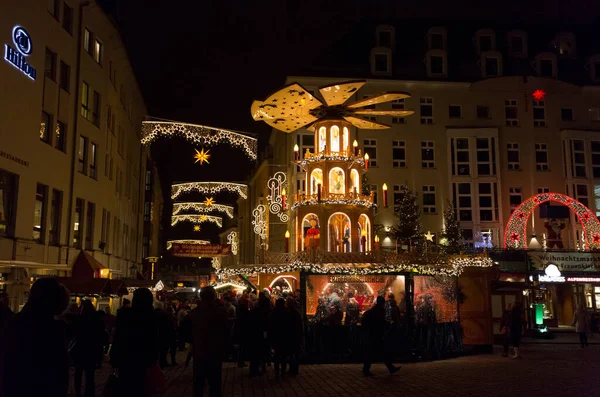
<point>435,299</point>
<point>597,297</point>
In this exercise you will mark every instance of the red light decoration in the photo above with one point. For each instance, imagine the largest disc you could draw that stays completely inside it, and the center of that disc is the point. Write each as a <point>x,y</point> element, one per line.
<point>539,95</point>
<point>516,227</point>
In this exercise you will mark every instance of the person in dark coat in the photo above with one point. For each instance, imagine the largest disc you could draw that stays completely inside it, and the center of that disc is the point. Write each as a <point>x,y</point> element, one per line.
<point>241,329</point>
<point>124,307</point>
<point>110,320</point>
<point>374,324</point>
<point>515,327</point>
<point>164,342</point>
<point>35,362</point>
<point>135,347</point>
<point>278,334</point>
<point>210,338</point>
<point>259,322</point>
<point>87,348</point>
<point>5,312</point>
<point>296,335</point>
<point>504,329</point>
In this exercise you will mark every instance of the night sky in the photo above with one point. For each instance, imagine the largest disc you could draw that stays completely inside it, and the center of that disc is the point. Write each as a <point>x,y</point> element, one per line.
<point>204,62</point>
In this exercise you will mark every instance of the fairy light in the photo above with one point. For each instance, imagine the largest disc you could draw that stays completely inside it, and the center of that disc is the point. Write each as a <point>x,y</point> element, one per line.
<point>515,233</point>
<point>175,219</point>
<point>202,208</point>
<point>209,188</point>
<point>199,135</point>
<point>232,239</point>
<point>192,242</point>
<point>362,202</point>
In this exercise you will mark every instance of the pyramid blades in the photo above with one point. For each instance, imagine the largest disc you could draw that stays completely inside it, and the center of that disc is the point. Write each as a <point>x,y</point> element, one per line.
<point>381,98</point>
<point>337,94</point>
<point>365,124</point>
<point>394,113</point>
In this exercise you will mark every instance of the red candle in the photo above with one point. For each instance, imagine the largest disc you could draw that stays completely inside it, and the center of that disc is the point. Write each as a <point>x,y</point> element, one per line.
<point>283,200</point>
<point>366,161</point>
<point>385,202</point>
<point>318,192</point>
<point>296,154</point>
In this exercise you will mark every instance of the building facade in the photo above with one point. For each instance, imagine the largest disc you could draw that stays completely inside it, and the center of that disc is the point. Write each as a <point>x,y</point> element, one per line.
<point>72,169</point>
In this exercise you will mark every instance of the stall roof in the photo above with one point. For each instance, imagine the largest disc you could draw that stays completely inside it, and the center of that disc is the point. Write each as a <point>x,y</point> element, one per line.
<point>94,286</point>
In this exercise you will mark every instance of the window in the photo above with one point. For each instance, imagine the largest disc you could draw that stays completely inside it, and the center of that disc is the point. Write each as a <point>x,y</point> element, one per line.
<point>93,161</point>
<point>8,199</point>
<point>429,199</point>
<point>78,222</point>
<point>112,74</point>
<point>87,41</point>
<point>595,159</point>
<point>517,45</point>
<point>512,151</point>
<point>511,113</point>
<point>65,76</point>
<point>436,41</point>
<point>467,237</point>
<point>427,155</point>
<point>384,38</point>
<point>399,154</point>
<point>118,182</point>
<point>98,48</point>
<point>121,141</point>
<point>487,199</point>
<point>55,216</point>
<point>485,43</point>
<point>546,68</point>
<point>39,214</point>
<point>454,111</point>
<point>539,113</point>
<point>50,65</point>
<point>398,193</point>
<point>53,8</point>
<point>515,198</point>
<point>85,100</point>
<point>89,224</point>
<point>460,156</point>
<point>594,114</point>
<point>581,193</point>
<point>82,155</point>
<point>566,114</point>
<point>543,190</point>
<point>96,109</point>
<point>381,63</point>
<point>578,158</point>
<point>541,157</point>
<point>46,127</point>
<point>67,23</point>
<point>436,63</point>
<point>486,156</point>
<point>398,104</point>
<point>105,216</point>
<point>483,112</point>
<point>148,180</point>
<point>106,239</point>
<point>147,208</point>
<point>426,110</point>
<point>491,66</point>
<point>463,202</point>
<point>145,247</point>
<point>60,136</point>
<point>370,148</point>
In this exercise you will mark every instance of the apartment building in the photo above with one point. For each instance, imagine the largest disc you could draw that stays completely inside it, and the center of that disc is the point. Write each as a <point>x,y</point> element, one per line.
<point>72,170</point>
<point>500,115</point>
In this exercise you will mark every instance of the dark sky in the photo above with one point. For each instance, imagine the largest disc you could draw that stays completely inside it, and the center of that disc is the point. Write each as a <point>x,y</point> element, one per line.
<point>203,61</point>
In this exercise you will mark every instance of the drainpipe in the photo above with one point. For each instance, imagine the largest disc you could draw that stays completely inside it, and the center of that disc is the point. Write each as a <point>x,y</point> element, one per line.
<point>75,124</point>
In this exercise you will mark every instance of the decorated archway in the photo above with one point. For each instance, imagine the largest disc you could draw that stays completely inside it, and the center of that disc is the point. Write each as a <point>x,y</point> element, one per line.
<point>515,234</point>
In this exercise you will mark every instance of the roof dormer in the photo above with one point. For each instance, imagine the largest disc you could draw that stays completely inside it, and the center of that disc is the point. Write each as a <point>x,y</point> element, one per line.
<point>437,37</point>
<point>565,44</point>
<point>485,40</point>
<point>386,36</point>
<point>517,43</point>
<point>491,64</point>
<point>381,61</point>
<point>545,65</point>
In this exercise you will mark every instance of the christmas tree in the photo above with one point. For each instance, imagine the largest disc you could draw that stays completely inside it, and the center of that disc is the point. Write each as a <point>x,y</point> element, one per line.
<point>408,213</point>
<point>452,233</point>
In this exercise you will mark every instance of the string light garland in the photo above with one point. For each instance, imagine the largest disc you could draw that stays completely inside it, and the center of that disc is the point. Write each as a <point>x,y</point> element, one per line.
<point>201,156</point>
<point>175,219</point>
<point>515,234</point>
<point>276,198</point>
<point>209,188</point>
<point>199,135</point>
<point>193,242</point>
<point>260,221</point>
<point>315,158</point>
<point>232,240</point>
<point>358,201</point>
<point>178,208</point>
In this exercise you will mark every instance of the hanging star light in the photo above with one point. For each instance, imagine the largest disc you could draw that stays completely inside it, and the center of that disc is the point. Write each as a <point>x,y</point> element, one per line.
<point>209,201</point>
<point>196,228</point>
<point>539,95</point>
<point>429,236</point>
<point>201,156</point>
<point>203,218</point>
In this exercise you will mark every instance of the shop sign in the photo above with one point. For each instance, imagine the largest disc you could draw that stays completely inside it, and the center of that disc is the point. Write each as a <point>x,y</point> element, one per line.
<point>566,261</point>
<point>356,279</point>
<point>583,279</point>
<point>542,278</point>
<point>201,250</point>
<point>24,47</point>
<point>551,279</point>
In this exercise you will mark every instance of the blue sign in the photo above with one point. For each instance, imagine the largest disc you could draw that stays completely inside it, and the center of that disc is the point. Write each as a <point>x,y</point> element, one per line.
<point>22,42</point>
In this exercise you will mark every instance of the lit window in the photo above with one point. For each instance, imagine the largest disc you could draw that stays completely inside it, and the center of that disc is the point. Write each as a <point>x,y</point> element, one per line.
<point>39,215</point>
<point>46,126</point>
<point>87,41</point>
<point>98,48</point>
<point>85,100</point>
<point>60,136</point>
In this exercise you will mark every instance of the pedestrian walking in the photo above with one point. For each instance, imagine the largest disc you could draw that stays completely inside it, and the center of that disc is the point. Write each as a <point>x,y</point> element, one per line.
<point>35,362</point>
<point>581,322</point>
<point>505,329</point>
<point>110,322</point>
<point>135,348</point>
<point>375,325</point>
<point>210,338</point>
<point>87,348</point>
<point>278,334</point>
<point>259,322</point>
<point>296,335</point>
<point>515,327</point>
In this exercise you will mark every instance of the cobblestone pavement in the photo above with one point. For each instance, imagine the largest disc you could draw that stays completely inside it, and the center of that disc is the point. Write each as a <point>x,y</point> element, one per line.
<point>545,370</point>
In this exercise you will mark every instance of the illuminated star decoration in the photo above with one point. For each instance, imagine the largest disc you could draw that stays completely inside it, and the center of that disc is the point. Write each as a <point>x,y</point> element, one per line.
<point>203,218</point>
<point>201,156</point>
<point>196,228</point>
<point>515,237</point>
<point>429,236</point>
<point>539,95</point>
<point>209,201</point>
<point>596,238</point>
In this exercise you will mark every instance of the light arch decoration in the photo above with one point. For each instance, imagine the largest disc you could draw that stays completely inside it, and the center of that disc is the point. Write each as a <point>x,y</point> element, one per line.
<point>515,234</point>
<point>202,208</point>
<point>209,188</point>
<point>285,279</point>
<point>195,218</point>
<point>199,134</point>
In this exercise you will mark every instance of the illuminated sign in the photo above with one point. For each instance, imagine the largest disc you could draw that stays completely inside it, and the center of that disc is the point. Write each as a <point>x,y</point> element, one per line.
<point>551,279</point>
<point>583,279</point>
<point>24,47</point>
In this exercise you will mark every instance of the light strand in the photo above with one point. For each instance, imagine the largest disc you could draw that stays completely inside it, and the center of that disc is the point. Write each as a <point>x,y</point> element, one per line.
<point>175,219</point>
<point>202,208</point>
<point>209,188</point>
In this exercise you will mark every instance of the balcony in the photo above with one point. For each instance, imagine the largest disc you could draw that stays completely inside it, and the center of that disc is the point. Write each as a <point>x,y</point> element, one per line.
<point>332,198</point>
